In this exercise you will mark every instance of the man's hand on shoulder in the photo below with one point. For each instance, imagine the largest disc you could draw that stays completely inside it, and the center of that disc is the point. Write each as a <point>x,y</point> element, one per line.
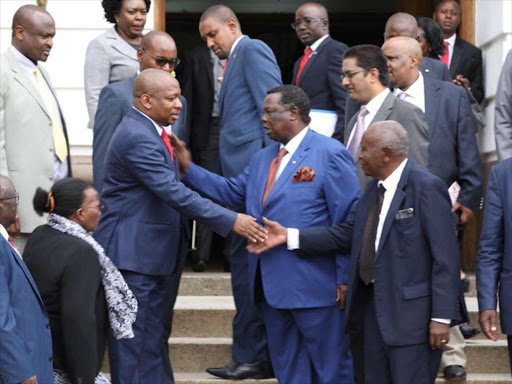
<point>247,227</point>
<point>439,334</point>
<point>181,152</point>
<point>276,235</point>
<point>32,380</point>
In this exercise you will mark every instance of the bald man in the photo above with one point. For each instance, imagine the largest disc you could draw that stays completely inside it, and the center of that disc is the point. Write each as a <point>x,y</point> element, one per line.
<point>251,71</point>
<point>453,150</point>
<point>140,226</point>
<point>34,150</point>
<point>318,71</point>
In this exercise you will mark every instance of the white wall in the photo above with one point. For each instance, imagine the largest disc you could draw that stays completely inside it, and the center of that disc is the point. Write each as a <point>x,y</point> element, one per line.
<point>77,23</point>
<point>494,37</point>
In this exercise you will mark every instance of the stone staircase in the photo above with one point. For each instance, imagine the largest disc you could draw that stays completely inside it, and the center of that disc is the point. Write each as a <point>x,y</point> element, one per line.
<point>202,335</point>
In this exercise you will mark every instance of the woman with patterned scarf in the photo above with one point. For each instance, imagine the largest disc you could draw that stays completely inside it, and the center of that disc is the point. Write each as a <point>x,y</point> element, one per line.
<point>82,290</point>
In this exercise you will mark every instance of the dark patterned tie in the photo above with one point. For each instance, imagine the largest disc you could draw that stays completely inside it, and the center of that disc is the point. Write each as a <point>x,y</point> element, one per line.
<point>367,259</point>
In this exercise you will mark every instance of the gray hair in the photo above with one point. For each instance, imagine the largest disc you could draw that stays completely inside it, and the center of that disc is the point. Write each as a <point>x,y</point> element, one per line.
<point>391,135</point>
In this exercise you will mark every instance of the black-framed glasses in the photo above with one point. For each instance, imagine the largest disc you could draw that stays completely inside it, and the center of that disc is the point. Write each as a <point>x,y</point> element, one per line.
<point>161,61</point>
<point>308,21</point>
<point>16,197</point>
<point>350,74</point>
<point>99,207</point>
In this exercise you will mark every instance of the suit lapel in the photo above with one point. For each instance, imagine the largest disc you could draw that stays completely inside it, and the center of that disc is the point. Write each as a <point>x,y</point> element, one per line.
<point>232,60</point>
<point>364,209</point>
<point>394,207</point>
<point>21,77</point>
<point>27,274</point>
<point>431,104</point>
<point>385,109</point>
<point>313,57</point>
<point>456,57</point>
<point>298,157</point>
<point>120,45</point>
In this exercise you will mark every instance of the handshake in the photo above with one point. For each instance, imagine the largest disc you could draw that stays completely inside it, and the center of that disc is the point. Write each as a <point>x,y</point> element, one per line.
<point>260,238</point>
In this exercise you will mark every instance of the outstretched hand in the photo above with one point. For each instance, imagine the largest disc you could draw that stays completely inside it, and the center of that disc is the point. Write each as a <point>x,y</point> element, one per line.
<point>248,227</point>
<point>276,235</point>
<point>181,152</point>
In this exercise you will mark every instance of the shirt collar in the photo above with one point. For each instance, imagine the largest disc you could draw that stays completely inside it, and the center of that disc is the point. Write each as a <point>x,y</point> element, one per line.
<point>235,44</point>
<point>293,144</point>
<point>451,39</point>
<point>24,61</point>
<point>317,43</point>
<point>391,182</point>
<point>158,127</point>
<point>415,90</point>
<point>374,105</point>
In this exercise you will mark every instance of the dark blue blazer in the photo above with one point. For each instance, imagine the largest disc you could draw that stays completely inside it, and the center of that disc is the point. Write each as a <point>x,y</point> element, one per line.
<point>494,258</point>
<point>288,280</point>
<point>143,198</point>
<point>252,71</point>
<point>453,150</point>
<point>321,80</point>
<point>467,61</point>
<point>25,339</point>
<point>416,264</point>
<point>115,101</point>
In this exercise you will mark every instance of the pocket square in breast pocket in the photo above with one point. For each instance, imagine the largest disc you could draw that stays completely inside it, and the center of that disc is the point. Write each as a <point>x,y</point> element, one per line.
<point>404,213</point>
<point>304,174</point>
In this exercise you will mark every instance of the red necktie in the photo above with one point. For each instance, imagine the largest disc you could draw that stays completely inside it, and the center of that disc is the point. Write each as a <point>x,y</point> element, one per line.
<point>303,63</point>
<point>445,57</point>
<point>167,143</point>
<point>9,239</point>
<point>272,171</point>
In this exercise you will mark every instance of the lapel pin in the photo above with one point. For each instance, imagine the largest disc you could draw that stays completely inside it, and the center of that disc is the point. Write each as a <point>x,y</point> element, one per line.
<point>294,162</point>
<point>427,70</point>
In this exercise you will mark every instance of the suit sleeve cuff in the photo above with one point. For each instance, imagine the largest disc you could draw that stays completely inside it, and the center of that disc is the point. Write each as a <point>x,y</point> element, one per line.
<point>292,238</point>
<point>443,321</point>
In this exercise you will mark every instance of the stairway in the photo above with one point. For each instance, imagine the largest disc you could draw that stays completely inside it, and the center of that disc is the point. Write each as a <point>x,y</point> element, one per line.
<point>202,334</point>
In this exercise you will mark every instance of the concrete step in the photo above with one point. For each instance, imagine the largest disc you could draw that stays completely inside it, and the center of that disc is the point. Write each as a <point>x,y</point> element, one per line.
<point>205,284</point>
<point>205,378</point>
<point>193,354</point>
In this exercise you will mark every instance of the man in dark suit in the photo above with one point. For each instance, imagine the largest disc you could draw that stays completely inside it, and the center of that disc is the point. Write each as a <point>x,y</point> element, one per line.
<point>201,79</point>
<point>494,256</point>
<point>251,71</point>
<point>157,50</point>
<point>302,172</point>
<point>25,339</point>
<point>140,227</point>
<point>318,71</point>
<point>404,272</point>
<point>405,24</point>
<point>463,58</point>
<point>365,75</point>
<point>453,150</point>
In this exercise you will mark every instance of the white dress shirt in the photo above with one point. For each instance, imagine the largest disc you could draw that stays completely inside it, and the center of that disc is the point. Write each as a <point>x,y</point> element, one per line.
<point>415,94</point>
<point>291,148</point>
<point>235,44</point>
<point>5,235</point>
<point>60,170</point>
<point>372,107</point>
<point>317,43</point>
<point>451,44</point>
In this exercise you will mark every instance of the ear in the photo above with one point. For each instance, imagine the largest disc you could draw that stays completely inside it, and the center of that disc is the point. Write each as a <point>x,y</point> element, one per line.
<point>145,99</point>
<point>19,32</point>
<point>374,74</point>
<point>140,53</point>
<point>294,114</point>
<point>232,25</point>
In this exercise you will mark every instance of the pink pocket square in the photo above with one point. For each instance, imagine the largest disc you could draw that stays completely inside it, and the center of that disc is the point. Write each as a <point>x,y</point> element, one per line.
<point>304,174</point>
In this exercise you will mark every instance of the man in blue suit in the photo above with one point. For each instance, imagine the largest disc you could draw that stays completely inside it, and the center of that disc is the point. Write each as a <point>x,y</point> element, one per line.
<point>25,339</point>
<point>318,71</point>
<point>303,172</point>
<point>494,256</point>
<point>453,151</point>
<point>140,227</point>
<point>157,50</point>
<point>251,71</point>
<point>404,273</point>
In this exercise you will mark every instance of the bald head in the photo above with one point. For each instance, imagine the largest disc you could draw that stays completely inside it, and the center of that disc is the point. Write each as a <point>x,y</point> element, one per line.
<point>157,50</point>
<point>221,14</point>
<point>33,30</point>
<point>311,22</point>
<point>8,204</point>
<point>401,24</point>
<point>319,9</point>
<point>391,135</point>
<point>404,59</point>
<point>156,38</point>
<point>156,94</point>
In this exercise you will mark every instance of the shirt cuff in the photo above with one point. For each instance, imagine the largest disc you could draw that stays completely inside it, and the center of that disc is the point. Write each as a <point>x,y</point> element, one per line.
<point>292,238</point>
<point>443,321</point>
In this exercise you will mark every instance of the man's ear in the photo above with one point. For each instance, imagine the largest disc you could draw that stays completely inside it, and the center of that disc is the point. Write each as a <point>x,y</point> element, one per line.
<point>294,113</point>
<point>19,32</point>
<point>140,53</point>
<point>145,99</point>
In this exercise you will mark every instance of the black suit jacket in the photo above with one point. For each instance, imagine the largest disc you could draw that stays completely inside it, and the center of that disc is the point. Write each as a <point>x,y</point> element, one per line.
<point>67,273</point>
<point>321,80</point>
<point>467,61</point>
<point>197,86</point>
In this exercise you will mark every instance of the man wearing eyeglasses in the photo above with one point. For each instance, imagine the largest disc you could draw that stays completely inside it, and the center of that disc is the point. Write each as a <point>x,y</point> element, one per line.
<point>157,50</point>
<point>318,71</point>
<point>23,318</point>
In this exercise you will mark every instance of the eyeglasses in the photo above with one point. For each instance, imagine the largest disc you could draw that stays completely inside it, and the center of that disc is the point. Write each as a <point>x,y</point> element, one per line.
<point>100,207</point>
<point>349,75</point>
<point>16,196</point>
<point>161,61</point>
<point>296,24</point>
